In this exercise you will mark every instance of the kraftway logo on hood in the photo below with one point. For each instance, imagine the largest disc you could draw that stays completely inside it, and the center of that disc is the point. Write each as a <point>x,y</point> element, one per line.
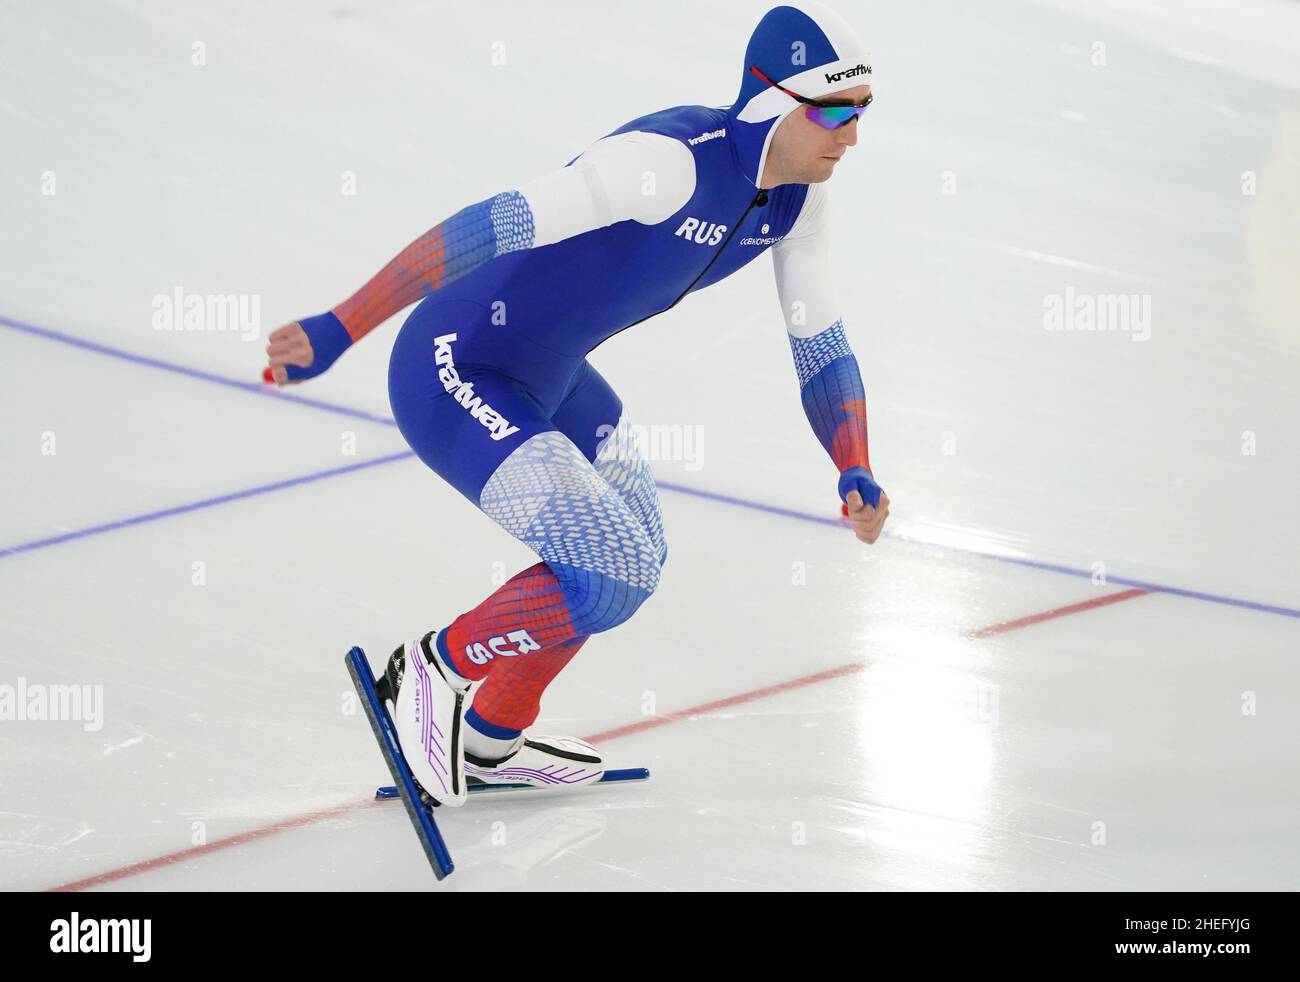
<point>849,73</point>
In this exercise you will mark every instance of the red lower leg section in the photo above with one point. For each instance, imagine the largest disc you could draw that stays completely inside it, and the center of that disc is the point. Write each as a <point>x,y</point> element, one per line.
<point>525,620</point>
<point>511,697</point>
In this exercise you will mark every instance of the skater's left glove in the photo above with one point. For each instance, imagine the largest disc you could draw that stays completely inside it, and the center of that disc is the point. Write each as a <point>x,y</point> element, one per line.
<point>306,348</point>
<point>866,505</point>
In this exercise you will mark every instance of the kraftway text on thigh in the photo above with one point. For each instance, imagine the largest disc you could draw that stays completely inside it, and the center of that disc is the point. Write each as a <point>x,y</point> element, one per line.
<point>463,392</point>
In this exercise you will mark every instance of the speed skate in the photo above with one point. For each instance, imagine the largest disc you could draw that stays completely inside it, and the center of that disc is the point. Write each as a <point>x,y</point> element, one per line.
<point>435,769</point>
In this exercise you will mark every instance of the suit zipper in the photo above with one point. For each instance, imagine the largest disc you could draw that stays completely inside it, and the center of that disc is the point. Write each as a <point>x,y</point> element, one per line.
<point>759,201</point>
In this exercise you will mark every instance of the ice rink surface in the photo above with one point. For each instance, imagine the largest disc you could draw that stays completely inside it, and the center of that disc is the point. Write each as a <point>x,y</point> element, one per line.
<point>817,714</point>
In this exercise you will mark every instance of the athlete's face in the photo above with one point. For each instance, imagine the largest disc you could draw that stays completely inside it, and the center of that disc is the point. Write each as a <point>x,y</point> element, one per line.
<point>803,152</point>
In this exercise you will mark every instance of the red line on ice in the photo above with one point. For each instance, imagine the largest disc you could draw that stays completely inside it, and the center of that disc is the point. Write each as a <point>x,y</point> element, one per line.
<point>194,852</point>
<point>312,818</point>
<point>1055,612</point>
<point>708,707</point>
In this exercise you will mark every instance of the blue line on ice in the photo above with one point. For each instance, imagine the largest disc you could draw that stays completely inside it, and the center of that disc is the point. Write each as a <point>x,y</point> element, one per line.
<point>259,388</point>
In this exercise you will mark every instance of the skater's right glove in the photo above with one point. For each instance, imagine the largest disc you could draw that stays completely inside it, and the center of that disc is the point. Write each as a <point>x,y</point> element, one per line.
<point>866,506</point>
<point>859,479</point>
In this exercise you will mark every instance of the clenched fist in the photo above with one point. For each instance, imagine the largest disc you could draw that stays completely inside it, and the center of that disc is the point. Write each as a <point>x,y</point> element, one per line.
<point>288,345</point>
<point>867,521</point>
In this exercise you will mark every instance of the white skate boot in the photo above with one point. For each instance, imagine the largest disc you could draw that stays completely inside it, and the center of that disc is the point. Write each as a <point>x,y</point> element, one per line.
<point>427,703</point>
<point>543,762</point>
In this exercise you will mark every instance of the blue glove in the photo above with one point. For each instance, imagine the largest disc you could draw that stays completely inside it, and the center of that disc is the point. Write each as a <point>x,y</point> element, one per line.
<point>859,479</point>
<point>329,339</point>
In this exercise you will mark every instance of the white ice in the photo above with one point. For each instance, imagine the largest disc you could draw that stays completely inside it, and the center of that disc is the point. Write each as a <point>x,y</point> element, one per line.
<point>1147,744</point>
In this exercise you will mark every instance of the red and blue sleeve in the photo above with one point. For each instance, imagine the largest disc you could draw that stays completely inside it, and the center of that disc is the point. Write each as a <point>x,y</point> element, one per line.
<point>448,251</point>
<point>830,387</point>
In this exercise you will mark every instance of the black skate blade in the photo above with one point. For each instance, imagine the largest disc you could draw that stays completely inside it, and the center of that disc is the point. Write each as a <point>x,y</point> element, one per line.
<point>475,786</point>
<point>381,723</point>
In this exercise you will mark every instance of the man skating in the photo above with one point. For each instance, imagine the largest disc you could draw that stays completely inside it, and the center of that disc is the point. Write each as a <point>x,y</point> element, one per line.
<point>490,385</point>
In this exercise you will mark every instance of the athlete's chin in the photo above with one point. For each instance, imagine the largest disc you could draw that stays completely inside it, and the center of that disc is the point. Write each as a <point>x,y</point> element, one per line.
<point>821,171</point>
